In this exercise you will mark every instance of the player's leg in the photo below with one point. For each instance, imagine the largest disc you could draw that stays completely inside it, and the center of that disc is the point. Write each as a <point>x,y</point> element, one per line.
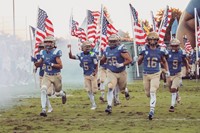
<point>45,84</point>
<point>88,88</point>
<point>122,82</point>
<point>111,86</point>
<point>154,85</point>
<point>94,89</point>
<point>173,90</point>
<point>57,82</point>
<point>116,95</point>
<point>102,84</point>
<point>49,93</point>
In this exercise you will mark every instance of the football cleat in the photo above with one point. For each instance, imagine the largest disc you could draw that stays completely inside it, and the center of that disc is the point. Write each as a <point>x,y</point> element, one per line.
<point>127,96</point>
<point>151,114</point>
<point>93,107</point>
<point>171,109</point>
<point>50,110</point>
<point>116,102</point>
<point>64,98</point>
<point>109,109</point>
<point>43,113</point>
<point>101,99</point>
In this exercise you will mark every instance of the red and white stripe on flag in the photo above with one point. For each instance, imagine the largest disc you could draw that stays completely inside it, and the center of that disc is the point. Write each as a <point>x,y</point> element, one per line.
<point>49,27</point>
<point>188,47</point>
<point>93,18</point>
<point>81,34</point>
<point>140,35</point>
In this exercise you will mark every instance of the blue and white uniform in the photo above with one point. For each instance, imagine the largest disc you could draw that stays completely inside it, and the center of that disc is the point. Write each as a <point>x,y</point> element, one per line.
<point>51,56</point>
<point>152,59</point>
<point>88,62</point>
<point>175,60</point>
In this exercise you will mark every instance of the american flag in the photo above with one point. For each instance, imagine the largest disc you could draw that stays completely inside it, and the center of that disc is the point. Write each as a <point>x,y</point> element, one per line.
<point>81,34</point>
<point>187,45</point>
<point>49,27</point>
<point>44,28</point>
<point>107,30</point>
<point>74,28</point>
<point>164,24</point>
<point>140,35</point>
<point>92,20</point>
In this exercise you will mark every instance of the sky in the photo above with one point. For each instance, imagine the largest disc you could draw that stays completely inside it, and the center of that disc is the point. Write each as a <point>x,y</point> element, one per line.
<point>59,12</point>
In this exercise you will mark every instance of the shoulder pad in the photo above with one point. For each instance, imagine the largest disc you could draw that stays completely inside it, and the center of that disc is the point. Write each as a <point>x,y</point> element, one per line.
<point>57,52</point>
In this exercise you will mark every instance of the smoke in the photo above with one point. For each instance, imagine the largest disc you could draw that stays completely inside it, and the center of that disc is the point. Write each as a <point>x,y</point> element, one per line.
<point>16,70</point>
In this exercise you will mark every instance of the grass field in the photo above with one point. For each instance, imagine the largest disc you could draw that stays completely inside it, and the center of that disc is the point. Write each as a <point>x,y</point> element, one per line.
<point>128,117</point>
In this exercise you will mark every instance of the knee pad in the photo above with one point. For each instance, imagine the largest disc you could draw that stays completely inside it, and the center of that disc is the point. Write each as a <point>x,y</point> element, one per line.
<point>44,88</point>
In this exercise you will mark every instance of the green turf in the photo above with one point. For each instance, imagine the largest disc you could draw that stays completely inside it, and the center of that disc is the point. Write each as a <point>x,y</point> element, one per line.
<point>128,117</point>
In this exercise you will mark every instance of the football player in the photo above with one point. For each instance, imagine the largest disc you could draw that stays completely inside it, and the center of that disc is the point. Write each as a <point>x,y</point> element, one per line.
<point>116,57</point>
<point>88,61</point>
<point>41,73</point>
<point>152,56</point>
<point>175,59</point>
<point>51,58</point>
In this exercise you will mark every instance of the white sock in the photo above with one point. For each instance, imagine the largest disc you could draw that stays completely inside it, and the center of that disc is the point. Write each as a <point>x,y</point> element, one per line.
<point>110,96</point>
<point>48,103</point>
<point>92,98</point>
<point>102,94</point>
<point>43,99</point>
<point>126,90</point>
<point>102,86</point>
<point>173,99</point>
<point>152,100</point>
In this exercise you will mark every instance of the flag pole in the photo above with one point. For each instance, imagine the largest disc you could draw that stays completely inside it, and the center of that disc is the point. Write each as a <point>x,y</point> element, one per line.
<point>162,20</point>
<point>87,24</point>
<point>134,44</point>
<point>99,47</point>
<point>153,21</point>
<point>32,53</point>
<point>196,39</point>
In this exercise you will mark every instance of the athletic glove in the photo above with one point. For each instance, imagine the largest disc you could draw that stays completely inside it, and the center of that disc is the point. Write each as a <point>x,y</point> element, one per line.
<point>167,73</point>
<point>48,63</point>
<point>118,65</point>
<point>135,58</point>
<point>33,59</point>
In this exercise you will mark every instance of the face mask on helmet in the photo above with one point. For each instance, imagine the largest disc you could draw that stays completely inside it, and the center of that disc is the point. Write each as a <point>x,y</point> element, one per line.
<point>49,45</point>
<point>174,43</point>
<point>152,42</point>
<point>152,39</point>
<point>114,40</point>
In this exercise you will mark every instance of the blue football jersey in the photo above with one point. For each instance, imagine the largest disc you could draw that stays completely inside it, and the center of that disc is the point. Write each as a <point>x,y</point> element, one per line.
<point>175,60</point>
<point>88,62</point>
<point>152,59</point>
<point>51,55</point>
<point>113,56</point>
